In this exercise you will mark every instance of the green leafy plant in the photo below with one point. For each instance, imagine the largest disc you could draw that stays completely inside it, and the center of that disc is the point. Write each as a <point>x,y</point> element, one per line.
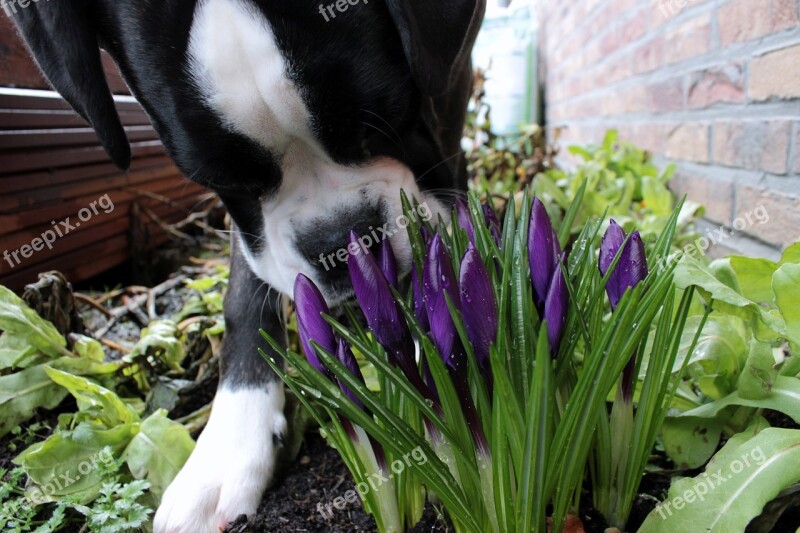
<point>517,355</point>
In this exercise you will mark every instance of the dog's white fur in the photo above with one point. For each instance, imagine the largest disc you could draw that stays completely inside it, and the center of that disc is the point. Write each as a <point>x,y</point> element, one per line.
<point>231,465</point>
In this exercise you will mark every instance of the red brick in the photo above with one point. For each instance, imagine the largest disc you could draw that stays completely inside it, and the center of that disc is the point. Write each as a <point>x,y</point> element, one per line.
<point>649,137</point>
<point>745,20</point>
<point>715,195</point>
<point>753,145</point>
<point>688,142</point>
<point>649,56</point>
<point>783,227</point>
<point>665,95</point>
<point>775,75</point>
<point>690,39</point>
<point>797,150</point>
<point>723,84</point>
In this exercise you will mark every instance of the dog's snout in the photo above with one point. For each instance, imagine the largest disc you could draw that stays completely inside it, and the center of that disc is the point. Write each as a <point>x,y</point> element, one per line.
<point>324,244</point>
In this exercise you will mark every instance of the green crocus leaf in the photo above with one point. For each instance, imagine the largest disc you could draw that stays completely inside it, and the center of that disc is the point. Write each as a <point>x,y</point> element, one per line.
<point>19,320</point>
<point>736,485</point>
<point>159,451</point>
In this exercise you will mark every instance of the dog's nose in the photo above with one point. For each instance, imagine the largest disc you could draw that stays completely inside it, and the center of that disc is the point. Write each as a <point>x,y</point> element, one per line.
<point>325,247</point>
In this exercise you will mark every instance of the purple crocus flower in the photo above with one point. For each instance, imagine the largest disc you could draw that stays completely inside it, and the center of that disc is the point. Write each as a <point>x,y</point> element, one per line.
<point>464,220</point>
<point>555,308</point>
<point>387,262</point>
<point>420,311</point>
<point>543,252</point>
<point>311,325</point>
<point>478,306</point>
<point>440,279</point>
<point>380,309</point>
<point>632,266</point>
<point>630,271</point>
<point>493,222</point>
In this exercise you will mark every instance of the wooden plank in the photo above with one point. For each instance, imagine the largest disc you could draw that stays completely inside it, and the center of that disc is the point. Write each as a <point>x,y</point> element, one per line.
<point>29,199</point>
<point>13,183</point>
<point>15,119</point>
<point>44,214</point>
<point>27,160</point>
<point>36,99</point>
<point>49,139</point>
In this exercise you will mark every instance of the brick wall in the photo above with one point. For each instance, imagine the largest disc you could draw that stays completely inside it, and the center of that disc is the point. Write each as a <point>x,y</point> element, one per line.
<point>713,85</point>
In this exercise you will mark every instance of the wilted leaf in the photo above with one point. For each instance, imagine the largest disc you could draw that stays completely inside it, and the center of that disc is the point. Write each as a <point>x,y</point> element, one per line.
<point>159,451</point>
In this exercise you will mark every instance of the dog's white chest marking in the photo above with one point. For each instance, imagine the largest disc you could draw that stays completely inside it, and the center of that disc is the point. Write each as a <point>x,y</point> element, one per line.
<point>241,72</point>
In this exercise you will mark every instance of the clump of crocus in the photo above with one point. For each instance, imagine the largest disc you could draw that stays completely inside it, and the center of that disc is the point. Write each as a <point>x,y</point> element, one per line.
<point>549,285</point>
<point>489,218</point>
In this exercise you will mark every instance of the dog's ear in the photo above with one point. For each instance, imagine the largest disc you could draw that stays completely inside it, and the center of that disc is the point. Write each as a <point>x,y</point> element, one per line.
<point>60,37</point>
<point>436,36</point>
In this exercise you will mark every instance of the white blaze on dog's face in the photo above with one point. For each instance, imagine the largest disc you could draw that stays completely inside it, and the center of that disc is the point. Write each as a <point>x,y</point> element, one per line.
<point>245,79</point>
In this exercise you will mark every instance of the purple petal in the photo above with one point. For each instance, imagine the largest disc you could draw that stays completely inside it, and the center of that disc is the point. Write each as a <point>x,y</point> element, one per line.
<point>555,309</point>
<point>464,220</point>
<point>478,306</point>
<point>493,222</point>
<point>610,245</point>
<point>311,325</point>
<point>345,356</point>
<point>387,262</point>
<point>631,270</point>
<point>543,251</point>
<point>377,302</point>
<point>439,279</point>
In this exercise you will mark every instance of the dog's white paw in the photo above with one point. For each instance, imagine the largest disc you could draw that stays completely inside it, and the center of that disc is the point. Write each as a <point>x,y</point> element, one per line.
<point>231,466</point>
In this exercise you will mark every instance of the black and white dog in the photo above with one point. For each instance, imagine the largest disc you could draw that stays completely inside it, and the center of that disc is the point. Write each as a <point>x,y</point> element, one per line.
<point>307,119</point>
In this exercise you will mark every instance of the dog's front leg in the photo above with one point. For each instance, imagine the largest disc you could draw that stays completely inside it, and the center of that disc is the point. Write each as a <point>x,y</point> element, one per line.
<point>234,460</point>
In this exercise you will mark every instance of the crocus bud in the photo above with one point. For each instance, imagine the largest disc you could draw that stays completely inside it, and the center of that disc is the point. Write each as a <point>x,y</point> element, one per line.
<point>377,302</point>
<point>555,309</point>
<point>440,279</point>
<point>478,306</point>
<point>310,324</point>
<point>632,266</point>
<point>387,262</point>
<point>543,252</point>
<point>493,222</point>
<point>464,220</point>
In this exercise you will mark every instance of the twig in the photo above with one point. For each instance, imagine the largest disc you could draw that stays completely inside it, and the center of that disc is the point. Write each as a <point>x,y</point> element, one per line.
<point>93,303</point>
<point>115,346</point>
<point>139,300</point>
